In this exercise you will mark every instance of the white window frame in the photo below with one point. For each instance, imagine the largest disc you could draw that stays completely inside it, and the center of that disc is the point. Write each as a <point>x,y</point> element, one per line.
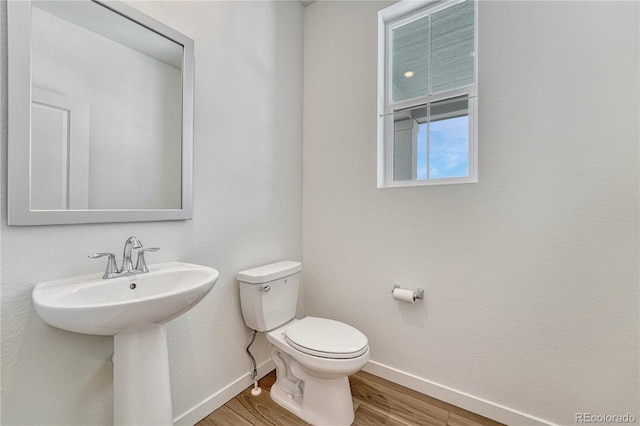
<point>393,17</point>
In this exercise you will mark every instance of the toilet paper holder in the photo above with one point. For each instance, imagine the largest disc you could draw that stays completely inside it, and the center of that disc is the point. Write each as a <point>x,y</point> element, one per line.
<point>418,293</point>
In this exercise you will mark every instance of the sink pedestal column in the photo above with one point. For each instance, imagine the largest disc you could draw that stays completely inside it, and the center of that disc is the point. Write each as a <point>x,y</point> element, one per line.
<point>141,388</point>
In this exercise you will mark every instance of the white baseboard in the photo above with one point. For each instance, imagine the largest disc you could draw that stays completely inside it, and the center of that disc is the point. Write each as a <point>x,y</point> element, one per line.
<point>460,399</point>
<point>218,399</point>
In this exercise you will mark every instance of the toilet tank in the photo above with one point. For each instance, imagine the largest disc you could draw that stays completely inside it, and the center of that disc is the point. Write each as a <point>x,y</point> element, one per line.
<point>269,294</point>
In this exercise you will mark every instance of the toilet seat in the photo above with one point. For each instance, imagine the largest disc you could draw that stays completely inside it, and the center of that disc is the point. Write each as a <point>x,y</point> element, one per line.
<point>326,338</point>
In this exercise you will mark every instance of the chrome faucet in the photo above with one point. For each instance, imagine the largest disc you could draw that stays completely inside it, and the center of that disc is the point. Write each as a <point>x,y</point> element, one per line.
<point>131,243</point>
<point>112,270</point>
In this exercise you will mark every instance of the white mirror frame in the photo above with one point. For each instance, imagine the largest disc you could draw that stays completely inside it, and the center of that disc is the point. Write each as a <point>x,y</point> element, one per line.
<point>19,126</point>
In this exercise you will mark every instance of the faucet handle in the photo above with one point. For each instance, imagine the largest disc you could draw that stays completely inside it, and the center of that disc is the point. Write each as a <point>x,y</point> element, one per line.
<point>111,269</point>
<point>141,264</point>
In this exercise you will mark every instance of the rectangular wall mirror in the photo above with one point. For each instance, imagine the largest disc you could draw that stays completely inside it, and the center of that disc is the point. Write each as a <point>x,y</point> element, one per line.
<point>100,115</point>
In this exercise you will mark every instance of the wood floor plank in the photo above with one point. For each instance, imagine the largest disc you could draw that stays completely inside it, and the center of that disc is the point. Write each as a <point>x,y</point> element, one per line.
<point>368,417</point>
<point>457,420</point>
<point>400,388</point>
<point>224,416</point>
<point>267,381</point>
<point>239,409</point>
<point>265,409</point>
<point>398,404</point>
<point>430,400</point>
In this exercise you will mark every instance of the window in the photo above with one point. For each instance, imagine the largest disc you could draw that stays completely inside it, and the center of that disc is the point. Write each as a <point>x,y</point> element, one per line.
<point>427,86</point>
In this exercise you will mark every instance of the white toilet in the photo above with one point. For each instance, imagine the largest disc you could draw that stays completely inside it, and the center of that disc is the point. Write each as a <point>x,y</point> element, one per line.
<point>313,356</point>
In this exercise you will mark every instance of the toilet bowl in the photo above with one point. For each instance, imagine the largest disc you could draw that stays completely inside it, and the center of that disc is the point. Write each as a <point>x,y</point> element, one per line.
<point>313,356</point>
<point>315,387</point>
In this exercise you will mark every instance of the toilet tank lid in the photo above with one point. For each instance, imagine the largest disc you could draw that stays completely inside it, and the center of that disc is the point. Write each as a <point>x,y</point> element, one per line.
<point>270,272</point>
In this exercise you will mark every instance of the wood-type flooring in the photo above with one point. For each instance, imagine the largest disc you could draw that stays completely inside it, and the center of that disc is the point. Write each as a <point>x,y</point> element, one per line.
<point>376,401</point>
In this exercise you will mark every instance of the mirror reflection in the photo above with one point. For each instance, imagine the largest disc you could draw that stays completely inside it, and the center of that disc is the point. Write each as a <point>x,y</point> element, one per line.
<point>106,111</point>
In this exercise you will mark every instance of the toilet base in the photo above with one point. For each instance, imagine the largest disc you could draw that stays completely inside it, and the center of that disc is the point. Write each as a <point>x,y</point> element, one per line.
<point>321,402</point>
<point>329,407</point>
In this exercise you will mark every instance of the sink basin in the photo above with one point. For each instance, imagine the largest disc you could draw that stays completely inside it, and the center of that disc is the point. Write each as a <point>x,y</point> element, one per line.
<point>91,305</point>
<point>134,310</point>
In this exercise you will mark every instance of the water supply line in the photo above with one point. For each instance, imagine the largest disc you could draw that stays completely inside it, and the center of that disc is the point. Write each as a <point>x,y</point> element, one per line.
<point>254,374</point>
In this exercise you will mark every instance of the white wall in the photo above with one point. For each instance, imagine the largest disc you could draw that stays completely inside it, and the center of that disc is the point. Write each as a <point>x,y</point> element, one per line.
<point>247,211</point>
<point>531,275</point>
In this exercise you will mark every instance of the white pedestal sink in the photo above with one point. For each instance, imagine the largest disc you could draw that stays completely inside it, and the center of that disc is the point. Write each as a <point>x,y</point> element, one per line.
<point>134,310</point>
